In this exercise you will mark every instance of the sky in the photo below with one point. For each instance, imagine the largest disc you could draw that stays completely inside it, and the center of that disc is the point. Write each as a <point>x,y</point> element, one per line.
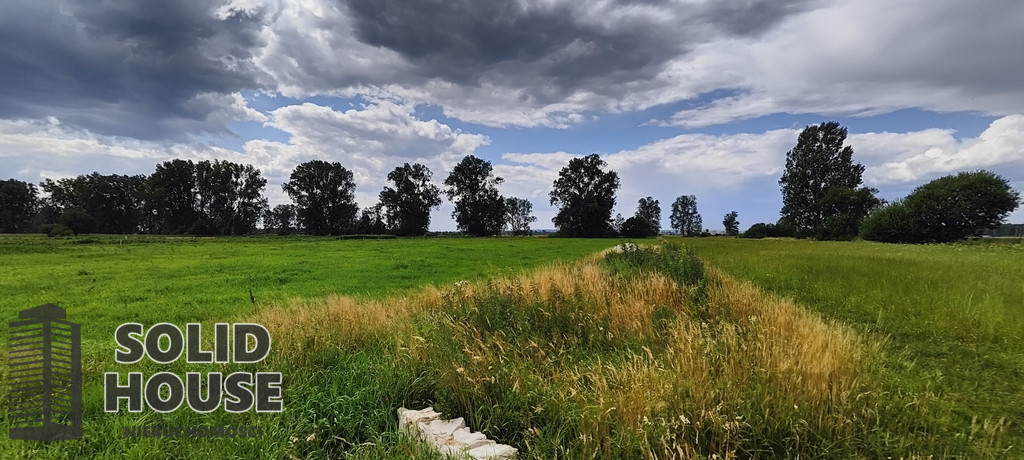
<point>680,97</point>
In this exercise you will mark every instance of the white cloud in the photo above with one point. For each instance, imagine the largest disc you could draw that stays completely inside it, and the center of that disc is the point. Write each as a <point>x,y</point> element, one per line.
<point>915,156</point>
<point>682,165</point>
<point>370,140</point>
<point>869,57</point>
<point>310,49</point>
<point>42,139</point>
<point>222,109</point>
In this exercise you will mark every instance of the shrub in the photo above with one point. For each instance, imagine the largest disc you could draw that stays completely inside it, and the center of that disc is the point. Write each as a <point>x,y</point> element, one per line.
<point>891,223</point>
<point>674,261</point>
<point>782,229</point>
<point>946,209</point>
<point>636,227</point>
<point>52,230</point>
<point>758,230</point>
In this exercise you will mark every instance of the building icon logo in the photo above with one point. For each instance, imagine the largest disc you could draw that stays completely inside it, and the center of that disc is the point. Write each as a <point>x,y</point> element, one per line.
<point>45,376</point>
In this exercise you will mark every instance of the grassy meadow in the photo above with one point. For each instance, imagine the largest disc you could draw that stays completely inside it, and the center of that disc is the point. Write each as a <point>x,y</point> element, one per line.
<point>951,316</point>
<point>104,281</point>
<point>691,349</point>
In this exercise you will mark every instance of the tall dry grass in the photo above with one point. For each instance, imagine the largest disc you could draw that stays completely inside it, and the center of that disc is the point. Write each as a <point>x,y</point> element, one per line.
<point>592,360</point>
<point>302,328</point>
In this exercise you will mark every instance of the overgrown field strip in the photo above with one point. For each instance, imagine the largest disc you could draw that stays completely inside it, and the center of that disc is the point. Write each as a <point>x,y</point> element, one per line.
<point>953,316</point>
<point>640,355</point>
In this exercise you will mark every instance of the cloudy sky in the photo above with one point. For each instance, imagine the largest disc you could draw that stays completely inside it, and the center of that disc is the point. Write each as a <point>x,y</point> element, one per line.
<point>700,97</point>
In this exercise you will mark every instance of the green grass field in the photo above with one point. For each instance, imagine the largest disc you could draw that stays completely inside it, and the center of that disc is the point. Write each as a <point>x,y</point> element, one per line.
<point>953,317</point>
<point>105,281</point>
<point>889,350</point>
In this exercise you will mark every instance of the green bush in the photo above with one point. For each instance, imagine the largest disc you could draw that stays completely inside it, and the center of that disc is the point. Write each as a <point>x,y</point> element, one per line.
<point>891,223</point>
<point>671,260</point>
<point>758,230</point>
<point>946,209</point>
<point>52,230</point>
<point>636,227</point>
<point>782,229</point>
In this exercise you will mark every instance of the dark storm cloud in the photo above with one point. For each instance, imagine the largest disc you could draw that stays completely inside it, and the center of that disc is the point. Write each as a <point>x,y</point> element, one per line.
<point>167,69</point>
<point>462,40</point>
<point>563,44</point>
<point>123,67</point>
<point>750,17</point>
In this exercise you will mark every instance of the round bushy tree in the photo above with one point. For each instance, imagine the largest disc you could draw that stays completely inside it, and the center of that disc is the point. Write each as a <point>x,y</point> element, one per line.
<point>946,209</point>
<point>585,195</point>
<point>324,195</point>
<point>407,205</point>
<point>685,218</point>
<point>731,223</point>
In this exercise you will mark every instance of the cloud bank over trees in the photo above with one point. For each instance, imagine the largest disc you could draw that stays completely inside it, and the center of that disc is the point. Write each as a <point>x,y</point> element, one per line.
<point>119,86</point>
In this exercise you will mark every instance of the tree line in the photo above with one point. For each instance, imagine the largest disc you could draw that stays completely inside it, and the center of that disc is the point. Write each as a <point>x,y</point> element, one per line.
<point>822,193</point>
<point>823,197</point>
<point>224,198</point>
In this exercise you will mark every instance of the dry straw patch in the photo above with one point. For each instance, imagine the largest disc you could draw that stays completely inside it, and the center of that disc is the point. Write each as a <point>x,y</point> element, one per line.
<point>806,355</point>
<point>629,304</point>
<point>302,327</point>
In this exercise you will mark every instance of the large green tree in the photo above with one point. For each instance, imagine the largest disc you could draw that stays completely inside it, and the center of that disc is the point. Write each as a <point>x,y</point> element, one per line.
<point>231,198</point>
<point>172,197</point>
<point>818,164</point>
<point>407,204</point>
<point>372,220</point>
<point>520,215</point>
<point>324,194</point>
<point>649,210</point>
<point>645,223</point>
<point>946,209</point>
<point>479,207</point>
<point>731,223</point>
<point>846,209</point>
<point>585,195</point>
<point>18,205</point>
<point>685,219</point>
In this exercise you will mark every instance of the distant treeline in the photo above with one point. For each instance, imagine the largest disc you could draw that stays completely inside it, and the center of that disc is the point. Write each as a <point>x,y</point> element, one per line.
<point>1005,230</point>
<point>225,198</point>
<point>823,197</point>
